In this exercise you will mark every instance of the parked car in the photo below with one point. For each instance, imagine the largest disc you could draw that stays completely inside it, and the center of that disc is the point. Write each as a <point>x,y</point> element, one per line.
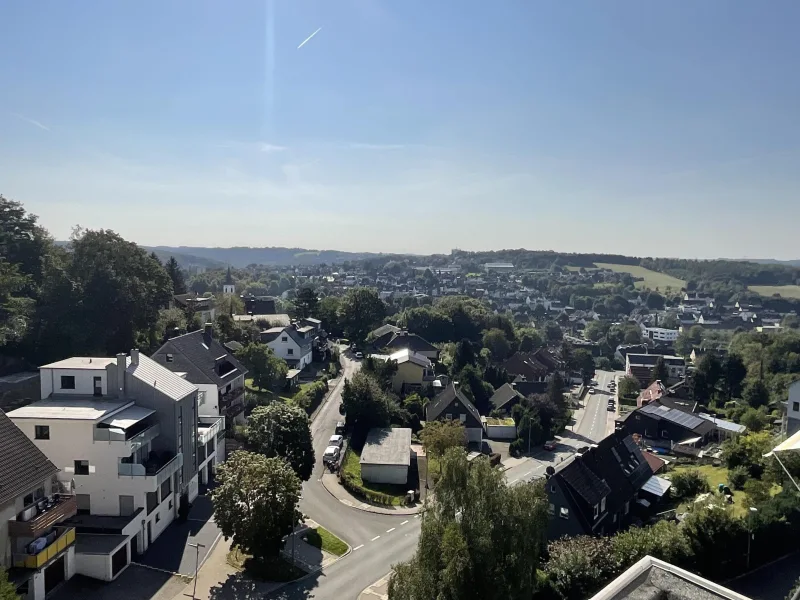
<point>359,355</point>
<point>336,440</point>
<point>551,445</point>
<point>611,407</point>
<point>591,391</point>
<point>331,455</point>
<point>339,428</point>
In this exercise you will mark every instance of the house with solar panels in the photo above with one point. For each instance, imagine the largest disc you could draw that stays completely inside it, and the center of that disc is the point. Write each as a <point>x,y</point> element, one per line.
<point>597,492</point>
<point>666,426</point>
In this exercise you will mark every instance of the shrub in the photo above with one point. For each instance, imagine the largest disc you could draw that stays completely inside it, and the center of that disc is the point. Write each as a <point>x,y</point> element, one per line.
<point>738,476</point>
<point>579,566</point>
<point>688,484</point>
<point>517,447</point>
<point>757,491</point>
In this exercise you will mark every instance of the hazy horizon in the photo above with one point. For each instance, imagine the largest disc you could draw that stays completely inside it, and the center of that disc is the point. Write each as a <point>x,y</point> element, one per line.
<point>378,126</point>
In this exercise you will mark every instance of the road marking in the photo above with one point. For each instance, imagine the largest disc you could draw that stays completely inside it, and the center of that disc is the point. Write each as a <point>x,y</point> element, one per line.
<point>375,538</point>
<point>528,473</point>
<point>514,480</point>
<point>404,522</point>
<point>390,530</point>
<point>416,516</point>
<point>357,547</point>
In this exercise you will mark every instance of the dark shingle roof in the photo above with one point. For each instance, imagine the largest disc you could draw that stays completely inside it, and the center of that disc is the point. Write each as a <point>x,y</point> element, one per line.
<point>684,419</point>
<point>503,395</point>
<point>437,406</point>
<point>196,355</point>
<point>412,341</point>
<point>583,482</point>
<point>23,466</point>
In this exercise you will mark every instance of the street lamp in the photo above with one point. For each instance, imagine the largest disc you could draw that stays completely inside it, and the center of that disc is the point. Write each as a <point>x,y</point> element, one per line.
<point>750,515</point>
<point>196,565</point>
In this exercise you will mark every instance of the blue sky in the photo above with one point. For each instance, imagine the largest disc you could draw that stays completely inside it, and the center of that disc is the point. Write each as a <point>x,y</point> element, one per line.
<point>660,129</point>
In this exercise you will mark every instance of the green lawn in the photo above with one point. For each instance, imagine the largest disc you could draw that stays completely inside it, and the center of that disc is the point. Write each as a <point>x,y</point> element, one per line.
<point>715,476</point>
<point>270,569</point>
<point>323,539</point>
<point>652,279</point>
<point>352,467</point>
<point>786,291</point>
<point>270,396</point>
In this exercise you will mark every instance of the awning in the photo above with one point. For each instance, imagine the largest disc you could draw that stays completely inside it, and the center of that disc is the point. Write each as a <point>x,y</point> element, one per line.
<point>792,443</point>
<point>127,418</point>
<point>657,486</point>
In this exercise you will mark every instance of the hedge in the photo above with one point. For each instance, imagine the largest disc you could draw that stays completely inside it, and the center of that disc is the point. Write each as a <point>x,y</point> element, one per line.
<point>356,488</point>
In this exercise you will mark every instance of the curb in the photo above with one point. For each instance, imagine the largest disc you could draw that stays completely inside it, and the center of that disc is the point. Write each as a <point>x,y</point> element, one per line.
<point>376,583</point>
<point>310,573</point>
<point>374,510</point>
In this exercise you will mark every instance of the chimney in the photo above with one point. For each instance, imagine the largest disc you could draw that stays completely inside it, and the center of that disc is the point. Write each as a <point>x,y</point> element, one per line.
<point>208,332</point>
<point>135,356</point>
<point>122,363</point>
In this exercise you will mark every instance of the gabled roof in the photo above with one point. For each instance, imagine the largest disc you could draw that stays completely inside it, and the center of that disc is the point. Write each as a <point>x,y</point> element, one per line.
<point>687,420</point>
<point>198,355</point>
<point>24,467</point>
<point>583,482</point>
<point>153,374</point>
<point>273,333</point>
<point>383,334</point>
<point>405,355</point>
<point>451,394</point>
<point>526,364</point>
<point>503,395</point>
<point>403,339</point>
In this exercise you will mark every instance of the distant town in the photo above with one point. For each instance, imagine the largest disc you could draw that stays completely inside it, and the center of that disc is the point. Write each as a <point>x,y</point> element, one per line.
<point>507,424</point>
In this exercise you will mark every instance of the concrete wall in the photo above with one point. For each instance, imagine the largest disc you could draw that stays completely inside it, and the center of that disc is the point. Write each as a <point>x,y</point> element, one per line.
<point>84,381</point>
<point>210,404</point>
<point>407,373</point>
<point>96,566</point>
<point>397,474</point>
<point>501,432</point>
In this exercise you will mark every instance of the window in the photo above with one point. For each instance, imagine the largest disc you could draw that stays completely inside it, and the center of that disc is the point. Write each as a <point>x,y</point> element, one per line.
<point>33,497</point>
<point>152,501</point>
<point>81,467</point>
<point>552,489</point>
<point>169,357</point>
<point>614,520</point>
<point>84,503</point>
<point>42,432</point>
<point>564,512</point>
<point>284,339</point>
<point>170,504</point>
<point>551,509</point>
<point>796,406</point>
<point>158,517</point>
<point>603,505</point>
<point>665,434</point>
<point>627,507</point>
<point>166,488</point>
<point>596,510</point>
<point>125,506</point>
<point>463,418</point>
<point>289,351</point>
<point>449,416</point>
<point>67,382</point>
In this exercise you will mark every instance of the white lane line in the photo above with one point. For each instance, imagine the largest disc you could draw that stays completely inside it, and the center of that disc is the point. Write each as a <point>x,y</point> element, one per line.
<point>390,530</point>
<point>416,516</point>
<point>357,547</point>
<point>514,481</point>
<point>404,522</point>
<point>528,473</point>
<point>375,538</point>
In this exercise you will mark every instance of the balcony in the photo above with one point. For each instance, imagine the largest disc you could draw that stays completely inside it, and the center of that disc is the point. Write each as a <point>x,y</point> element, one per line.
<point>209,427</point>
<point>232,411</point>
<point>232,396</point>
<point>64,538</point>
<point>157,469</point>
<point>61,507</point>
<point>132,442</point>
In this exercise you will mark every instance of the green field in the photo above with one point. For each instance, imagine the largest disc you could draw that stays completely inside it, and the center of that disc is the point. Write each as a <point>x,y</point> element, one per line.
<point>786,291</point>
<point>651,279</point>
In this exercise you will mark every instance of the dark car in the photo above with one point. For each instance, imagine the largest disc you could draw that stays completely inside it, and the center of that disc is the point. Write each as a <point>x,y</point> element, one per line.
<point>339,427</point>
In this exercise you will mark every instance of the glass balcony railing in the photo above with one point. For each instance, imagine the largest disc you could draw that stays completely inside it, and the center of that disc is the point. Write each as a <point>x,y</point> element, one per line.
<point>158,469</point>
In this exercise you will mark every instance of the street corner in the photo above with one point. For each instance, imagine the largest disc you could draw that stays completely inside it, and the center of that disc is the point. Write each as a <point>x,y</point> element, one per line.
<point>331,484</point>
<point>378,590</point>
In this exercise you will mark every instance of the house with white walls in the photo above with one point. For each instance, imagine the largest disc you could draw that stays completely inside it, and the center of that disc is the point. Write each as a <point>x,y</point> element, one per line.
<point>292,344</point>
<point>124,434</point>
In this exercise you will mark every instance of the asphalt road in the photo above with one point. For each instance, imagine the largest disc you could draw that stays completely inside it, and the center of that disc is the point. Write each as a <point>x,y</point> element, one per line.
<point>378,541</point>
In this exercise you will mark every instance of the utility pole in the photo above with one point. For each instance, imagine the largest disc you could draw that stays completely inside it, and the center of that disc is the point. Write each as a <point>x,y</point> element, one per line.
<point>196,565</point>
<point>529,433</point>
<point>750,533</point>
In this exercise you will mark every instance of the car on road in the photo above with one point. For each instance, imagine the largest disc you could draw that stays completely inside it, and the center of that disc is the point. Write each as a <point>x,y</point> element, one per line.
<point>611,407</point>
<point>593,382</point>
<point>336,440</point>
<point>331,455</point>
<point>339,428</point>
<point>551,445</point>
<point>591,391</point>
<point>359,355</point>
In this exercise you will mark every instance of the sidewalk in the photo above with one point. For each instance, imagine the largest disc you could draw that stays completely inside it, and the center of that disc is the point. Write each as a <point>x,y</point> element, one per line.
<point>330,482</point>
<point>219,580</point>
<point>378,590</point>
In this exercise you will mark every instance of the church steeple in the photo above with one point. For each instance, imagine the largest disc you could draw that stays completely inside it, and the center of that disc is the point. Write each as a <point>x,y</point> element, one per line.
<point>229,287</point>
<point>229,277</point>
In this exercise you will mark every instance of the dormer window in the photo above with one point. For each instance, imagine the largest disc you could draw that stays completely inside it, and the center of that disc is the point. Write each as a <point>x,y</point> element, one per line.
<point>284,339</point>
<point>169,358</point>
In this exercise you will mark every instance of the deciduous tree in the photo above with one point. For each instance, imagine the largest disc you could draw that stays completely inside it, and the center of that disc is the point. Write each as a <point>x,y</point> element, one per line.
<point>360,312</point>
<point>583,362</point>
<point>264,366</point>
<point>660,372</point>
<point>365,404</point>
<point>255,502</point>
<point>306,302</point>
<point>756,394</point>
<point>497,343</point>
<point>282,430</point>
<point>629,387</point>
<point>439,436</point>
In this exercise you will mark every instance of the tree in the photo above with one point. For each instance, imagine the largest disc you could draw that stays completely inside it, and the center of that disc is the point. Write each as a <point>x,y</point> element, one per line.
<point>497,343</point>
<point>306,302</point>
<point>708,364</point>
<point>255,502</point>
<point>579,566</point>
<point>712,532</point>
<point>279,429</point>
<point>360,312</point>
<point>530,340</point>
<point>15,308</point>
<point>430,324</point>
<point>265,367</point>
<point>660,372</point>
<point>756,394</point>
<point>595,330</point>
<point>757,491</point>
<point>365,404</point>
<point>629,387</point>
<point>475,388</point>
<point>552,332</point>
<point>583,362</point>
<point>328,313</point>
<point>22,241</point>
<point>655,301</point>
<point>8,591</point>
<point>439,436</point>
<point>176,275</point>
<point>480,538</point>
<point>733,374</point>
<point>555,393</point>
<point>382,370</point>
<point>688,484</point>
<point>463,356</point>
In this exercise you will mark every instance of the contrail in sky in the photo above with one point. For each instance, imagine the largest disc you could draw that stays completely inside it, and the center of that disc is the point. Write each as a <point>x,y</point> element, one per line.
<point>36,123</point>
<point>305,41</point>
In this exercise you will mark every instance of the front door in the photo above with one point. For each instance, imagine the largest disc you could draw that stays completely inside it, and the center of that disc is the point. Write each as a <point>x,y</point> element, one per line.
<point>98,386</point>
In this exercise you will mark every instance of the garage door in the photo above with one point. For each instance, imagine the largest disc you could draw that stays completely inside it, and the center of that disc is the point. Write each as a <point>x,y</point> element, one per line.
<point>54,574</point>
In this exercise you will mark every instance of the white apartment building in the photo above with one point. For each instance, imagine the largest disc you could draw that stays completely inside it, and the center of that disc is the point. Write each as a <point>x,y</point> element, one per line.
<point>660,334</point>
<point>124,434</point>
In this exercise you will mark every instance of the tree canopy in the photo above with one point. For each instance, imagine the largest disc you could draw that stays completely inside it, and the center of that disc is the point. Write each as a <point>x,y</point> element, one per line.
<point>360,311</point>
<point>264,366</point>
<point>279,429</point>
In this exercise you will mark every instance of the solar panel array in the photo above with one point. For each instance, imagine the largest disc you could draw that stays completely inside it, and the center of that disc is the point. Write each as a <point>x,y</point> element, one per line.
<point>673,415</point>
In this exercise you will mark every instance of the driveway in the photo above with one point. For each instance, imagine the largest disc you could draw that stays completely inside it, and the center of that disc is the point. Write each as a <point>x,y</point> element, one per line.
<point>135,583</point>
<point>171,551</point>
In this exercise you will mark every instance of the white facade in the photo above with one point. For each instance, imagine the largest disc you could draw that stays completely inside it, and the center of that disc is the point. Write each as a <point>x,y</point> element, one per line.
<point>660,334</point>
<point>396,474</point>
<point>228,288</point>
<point>289,350</point>
<point>792,417</point>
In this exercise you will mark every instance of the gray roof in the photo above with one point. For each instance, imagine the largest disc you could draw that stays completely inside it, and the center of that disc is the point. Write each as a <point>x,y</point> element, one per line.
<point>81,408</point>
<point>387,446</point>
<point>383,330</point>
<point>272,334</point>
<point>98,543</point>
<point>128,417</point>
<point>723,424</point>
<point>23,467</point>
<point>503,395</point>
<point>673,415</point>
<point>405,355</point>
<point>437,406</point>
<point>198,355</point>
<point>153,374</point>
